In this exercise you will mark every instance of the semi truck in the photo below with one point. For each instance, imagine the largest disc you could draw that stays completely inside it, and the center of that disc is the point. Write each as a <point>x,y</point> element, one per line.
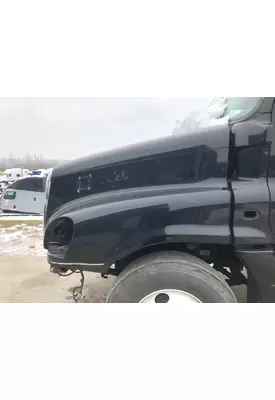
<point>181,218</point>
<point>13,174</point>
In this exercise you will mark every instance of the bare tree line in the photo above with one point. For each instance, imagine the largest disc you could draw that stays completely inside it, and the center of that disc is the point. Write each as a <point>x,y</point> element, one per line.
<point>27,162</point>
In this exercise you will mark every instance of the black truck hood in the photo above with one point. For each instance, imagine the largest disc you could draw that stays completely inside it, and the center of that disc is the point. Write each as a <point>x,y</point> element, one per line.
<point>172,160</point>
<point>214,137</point>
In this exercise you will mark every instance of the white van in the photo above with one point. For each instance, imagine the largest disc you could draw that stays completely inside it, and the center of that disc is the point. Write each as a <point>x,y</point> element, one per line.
<point>26,195</point>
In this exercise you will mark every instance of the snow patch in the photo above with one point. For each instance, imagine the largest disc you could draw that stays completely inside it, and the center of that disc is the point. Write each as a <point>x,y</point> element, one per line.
<point>3,217</point>
<point>22,240</point>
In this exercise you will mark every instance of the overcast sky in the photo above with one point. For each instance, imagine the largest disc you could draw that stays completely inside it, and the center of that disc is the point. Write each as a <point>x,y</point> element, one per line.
<point>65,128</point>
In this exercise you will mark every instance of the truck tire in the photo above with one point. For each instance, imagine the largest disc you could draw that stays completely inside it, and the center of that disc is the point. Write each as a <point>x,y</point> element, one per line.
<point>170,276</point>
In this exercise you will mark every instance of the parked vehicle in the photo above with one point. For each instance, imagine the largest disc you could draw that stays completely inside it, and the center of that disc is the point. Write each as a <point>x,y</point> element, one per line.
<point>14,174</point>
<point>41,172</point>
<point>177,219</point>
<point>26,195</point>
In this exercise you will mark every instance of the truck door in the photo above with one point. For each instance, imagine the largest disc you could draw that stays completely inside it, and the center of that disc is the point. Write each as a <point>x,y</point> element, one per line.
<point>252,190</point>
<point>271,172</point>
<point>251,196</point>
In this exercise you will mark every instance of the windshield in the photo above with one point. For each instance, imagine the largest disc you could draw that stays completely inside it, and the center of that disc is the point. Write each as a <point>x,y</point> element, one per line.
<point>231,107</point>
<point>219,111</point>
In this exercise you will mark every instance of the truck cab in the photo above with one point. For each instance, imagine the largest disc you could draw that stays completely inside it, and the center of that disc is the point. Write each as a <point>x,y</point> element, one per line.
<point>179,218</point>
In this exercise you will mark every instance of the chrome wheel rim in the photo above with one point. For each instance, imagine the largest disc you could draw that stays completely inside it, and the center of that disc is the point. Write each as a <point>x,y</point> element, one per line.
<point>170,296</point>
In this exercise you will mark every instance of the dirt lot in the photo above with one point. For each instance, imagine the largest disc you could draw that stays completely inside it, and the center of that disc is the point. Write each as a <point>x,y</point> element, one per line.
<point>27,279</point>
<point>25,274</point>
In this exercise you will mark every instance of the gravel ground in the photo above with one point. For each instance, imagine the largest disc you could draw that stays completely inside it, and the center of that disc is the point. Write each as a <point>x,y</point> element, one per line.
<point>25,276</point>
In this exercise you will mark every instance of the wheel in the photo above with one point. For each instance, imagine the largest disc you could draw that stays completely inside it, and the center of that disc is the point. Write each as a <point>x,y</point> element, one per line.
<point>167,277</point>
